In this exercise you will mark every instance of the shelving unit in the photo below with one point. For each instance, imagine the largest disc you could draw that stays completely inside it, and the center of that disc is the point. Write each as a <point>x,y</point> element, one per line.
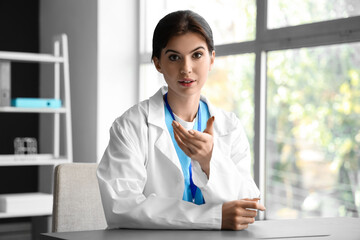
<point>30,160</point>
<point>60,61</point>
<point>32,110</point>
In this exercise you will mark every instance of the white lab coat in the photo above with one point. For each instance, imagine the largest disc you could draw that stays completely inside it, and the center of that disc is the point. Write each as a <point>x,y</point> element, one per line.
<point>140,177</point>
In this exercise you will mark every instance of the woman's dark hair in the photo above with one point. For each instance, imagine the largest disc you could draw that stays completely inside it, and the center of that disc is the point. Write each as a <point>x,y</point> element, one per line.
<point>178,23</point>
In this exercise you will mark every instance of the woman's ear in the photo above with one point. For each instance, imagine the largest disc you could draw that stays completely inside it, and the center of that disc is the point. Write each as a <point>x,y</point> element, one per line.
<point>157,64</point>
<point>212,59</point>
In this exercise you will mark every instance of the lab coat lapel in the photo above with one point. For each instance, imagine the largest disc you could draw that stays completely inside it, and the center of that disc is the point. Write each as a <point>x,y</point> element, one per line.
<point>156,117</point>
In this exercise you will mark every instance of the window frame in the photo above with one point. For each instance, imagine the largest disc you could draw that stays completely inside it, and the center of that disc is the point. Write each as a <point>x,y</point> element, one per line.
<point>337,31</point>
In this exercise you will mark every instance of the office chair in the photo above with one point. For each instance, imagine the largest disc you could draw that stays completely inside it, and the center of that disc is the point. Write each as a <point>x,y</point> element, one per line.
<point>77,203</point>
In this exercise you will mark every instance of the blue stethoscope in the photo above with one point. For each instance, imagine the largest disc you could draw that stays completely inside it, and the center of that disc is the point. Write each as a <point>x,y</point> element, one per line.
<point>193,187</point>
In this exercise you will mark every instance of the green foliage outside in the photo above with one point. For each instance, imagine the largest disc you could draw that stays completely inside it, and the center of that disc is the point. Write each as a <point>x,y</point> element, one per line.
<point>313,119</point>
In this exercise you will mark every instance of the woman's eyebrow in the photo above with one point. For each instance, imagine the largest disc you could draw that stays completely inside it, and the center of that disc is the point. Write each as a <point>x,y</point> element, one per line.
<point>170,50</point>
<point>201,47</point>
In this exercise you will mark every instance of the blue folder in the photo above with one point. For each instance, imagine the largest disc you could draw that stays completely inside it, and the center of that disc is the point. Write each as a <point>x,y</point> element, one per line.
<point>36,102</point>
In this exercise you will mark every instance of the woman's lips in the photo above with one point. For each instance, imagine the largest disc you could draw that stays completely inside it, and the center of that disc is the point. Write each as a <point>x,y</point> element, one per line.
<point>186,82</point>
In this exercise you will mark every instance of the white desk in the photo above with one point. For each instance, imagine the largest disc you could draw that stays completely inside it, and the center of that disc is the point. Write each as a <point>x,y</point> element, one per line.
<point>315,228</point>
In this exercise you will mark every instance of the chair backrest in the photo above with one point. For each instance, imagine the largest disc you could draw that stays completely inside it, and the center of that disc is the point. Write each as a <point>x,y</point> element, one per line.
<point>77,203</point>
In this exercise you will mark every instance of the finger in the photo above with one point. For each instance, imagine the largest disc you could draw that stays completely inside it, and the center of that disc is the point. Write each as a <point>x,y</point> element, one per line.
<point>251,204</point>
<point>182,134</point>
<point>198,136</point>
<point>187,138</point>
<point>241,226</point>
<point>260,206</point>
<point>250,213</point>
<point>245,220</point>
<point>181,129</point>
<point>210,126</point>
<point>188,149</point>
<point>251,199</point>
<point>245,212</point>
<point>194,136</point>
<point>182,146</point>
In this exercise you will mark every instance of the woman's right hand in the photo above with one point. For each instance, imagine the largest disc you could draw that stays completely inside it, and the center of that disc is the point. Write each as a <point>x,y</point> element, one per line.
<point>237,215</point>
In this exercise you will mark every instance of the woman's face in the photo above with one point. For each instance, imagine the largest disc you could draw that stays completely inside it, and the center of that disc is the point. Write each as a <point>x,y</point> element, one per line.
<point>185,63</point>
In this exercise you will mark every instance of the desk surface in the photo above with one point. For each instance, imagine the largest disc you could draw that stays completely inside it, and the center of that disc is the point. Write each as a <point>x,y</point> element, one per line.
<point>313,228</point>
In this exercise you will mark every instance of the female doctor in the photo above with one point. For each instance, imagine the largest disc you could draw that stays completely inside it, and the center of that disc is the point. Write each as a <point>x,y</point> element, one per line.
<point>175,161</point>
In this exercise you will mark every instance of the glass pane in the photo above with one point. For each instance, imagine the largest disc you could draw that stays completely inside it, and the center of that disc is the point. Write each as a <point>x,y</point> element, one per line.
<point>231,21</point>
<point>230,86</point>
<point>283,13</point>
<point>313,132</point>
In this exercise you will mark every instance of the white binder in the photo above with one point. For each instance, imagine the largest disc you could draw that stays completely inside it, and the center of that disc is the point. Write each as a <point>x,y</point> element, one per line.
<point>5,83</point>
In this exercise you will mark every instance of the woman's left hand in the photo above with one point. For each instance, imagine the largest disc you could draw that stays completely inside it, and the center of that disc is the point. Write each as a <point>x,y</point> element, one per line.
<point>196,145</point>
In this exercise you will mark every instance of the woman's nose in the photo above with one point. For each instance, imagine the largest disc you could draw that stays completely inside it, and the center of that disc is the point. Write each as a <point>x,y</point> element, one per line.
<point>186,67</point>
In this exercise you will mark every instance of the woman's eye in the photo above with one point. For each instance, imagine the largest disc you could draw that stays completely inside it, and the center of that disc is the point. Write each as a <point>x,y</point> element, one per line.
<point>174,57</point>
<point>197,55</point>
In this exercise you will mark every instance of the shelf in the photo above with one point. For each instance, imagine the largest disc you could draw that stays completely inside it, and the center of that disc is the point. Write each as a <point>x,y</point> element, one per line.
<point>32,110</point>
<point>23,214</point>
<point>30,57</point>
<point>30,160</point>
<point>26,205</point>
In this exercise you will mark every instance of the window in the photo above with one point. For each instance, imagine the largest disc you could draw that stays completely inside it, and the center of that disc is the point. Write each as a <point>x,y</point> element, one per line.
<point>313,131</point>
<point>230,86</point>
<point>284,13</point>
<point>237,21</point>
<point>290,71</point>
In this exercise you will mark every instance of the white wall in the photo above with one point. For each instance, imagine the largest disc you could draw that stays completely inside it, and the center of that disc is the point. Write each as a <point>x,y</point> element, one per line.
<point>118,64</point>
<point>103,66</point>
